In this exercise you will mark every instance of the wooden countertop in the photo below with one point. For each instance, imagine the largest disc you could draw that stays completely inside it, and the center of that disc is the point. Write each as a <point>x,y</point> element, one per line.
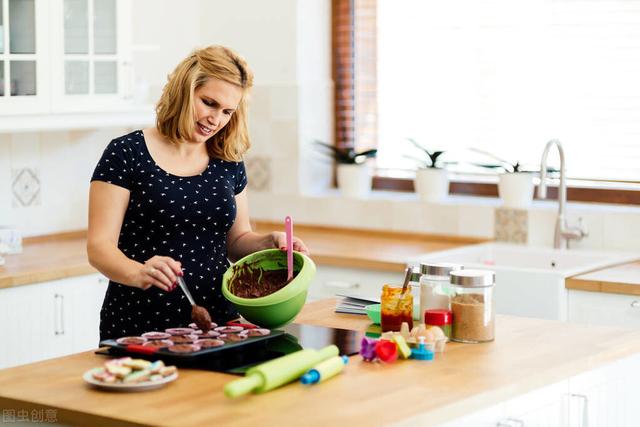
<point>620,279</point>
<point>380,250</point>
<point>64,255</point>
<point>47,258</point>
<point>527,354</point>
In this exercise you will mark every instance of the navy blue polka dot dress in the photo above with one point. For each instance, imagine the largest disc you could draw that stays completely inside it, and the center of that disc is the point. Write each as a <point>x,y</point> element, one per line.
<point>185,218</point>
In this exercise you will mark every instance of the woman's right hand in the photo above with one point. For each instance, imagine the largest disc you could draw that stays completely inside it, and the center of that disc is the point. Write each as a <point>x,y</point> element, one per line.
<point>159,271</point>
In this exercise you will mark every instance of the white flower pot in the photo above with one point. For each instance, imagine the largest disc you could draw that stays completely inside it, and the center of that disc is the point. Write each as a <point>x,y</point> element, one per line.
<point>432,184</point>
<point>354,180</point>
<point>516,189</point>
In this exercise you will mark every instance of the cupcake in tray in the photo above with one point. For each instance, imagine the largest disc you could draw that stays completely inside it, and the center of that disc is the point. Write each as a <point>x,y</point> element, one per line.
<point>257,332</point>
<point>180,331</point>
<point>229,329</point>
<point>184,348</point>
<point>195,327</point>
<point>208,334</point>
<point>184,339</point>
<point>155,335</point>
<point>209,343</point>
<point>131,340</point>
<point>158,343</point>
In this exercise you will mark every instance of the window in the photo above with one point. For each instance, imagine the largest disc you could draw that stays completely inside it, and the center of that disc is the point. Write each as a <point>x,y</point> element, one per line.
<point>505,77</point>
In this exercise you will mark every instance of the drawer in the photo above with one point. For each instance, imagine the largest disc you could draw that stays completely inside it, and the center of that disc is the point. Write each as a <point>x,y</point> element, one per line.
<point>599,308</point>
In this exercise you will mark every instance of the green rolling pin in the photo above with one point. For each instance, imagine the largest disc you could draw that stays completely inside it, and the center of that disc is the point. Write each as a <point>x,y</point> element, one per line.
<point>273,374</point>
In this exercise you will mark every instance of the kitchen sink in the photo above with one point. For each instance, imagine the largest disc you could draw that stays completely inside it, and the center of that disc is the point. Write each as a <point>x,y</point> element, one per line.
<point>529,280</point>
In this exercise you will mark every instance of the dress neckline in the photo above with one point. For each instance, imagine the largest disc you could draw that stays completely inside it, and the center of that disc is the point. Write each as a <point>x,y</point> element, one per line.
<point>146,149</point>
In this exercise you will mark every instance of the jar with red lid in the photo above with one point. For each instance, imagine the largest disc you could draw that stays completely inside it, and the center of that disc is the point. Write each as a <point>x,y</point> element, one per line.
<point>440,318</point>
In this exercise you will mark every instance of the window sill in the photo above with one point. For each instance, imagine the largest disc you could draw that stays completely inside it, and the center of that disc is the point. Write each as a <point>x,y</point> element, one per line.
<point>138,116</point>
<point>471,201</point>
<point>616,194</point>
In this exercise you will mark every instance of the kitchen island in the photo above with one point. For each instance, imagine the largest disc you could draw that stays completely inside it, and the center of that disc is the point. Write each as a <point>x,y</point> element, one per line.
<point>528,355</point>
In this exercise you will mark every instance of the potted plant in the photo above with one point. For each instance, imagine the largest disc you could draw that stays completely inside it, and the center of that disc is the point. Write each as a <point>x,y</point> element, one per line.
<point>515,184</point>
<point>353,171</point>
<point>432,177</point>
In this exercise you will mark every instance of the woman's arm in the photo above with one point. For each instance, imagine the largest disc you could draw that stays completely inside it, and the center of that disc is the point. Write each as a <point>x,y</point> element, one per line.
<point>242,240</point>
<point>107,206</point>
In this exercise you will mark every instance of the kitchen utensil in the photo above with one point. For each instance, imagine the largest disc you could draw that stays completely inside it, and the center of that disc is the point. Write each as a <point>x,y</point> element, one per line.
<point>288,227</point>
<point>277,372</point>
<point>281,307</point>
<point>199,315</point>
<point>407,278</point>
<point>325,370</point>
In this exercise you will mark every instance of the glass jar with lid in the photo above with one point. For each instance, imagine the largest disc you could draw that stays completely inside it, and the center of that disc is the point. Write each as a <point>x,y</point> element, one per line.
<point>396,307</point>
<point>472,306</point>
<point>434,285</point>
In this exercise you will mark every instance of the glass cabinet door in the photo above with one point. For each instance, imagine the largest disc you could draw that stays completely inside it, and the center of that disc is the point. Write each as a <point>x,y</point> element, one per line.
<point>18,49</point>
<point>90,47</point>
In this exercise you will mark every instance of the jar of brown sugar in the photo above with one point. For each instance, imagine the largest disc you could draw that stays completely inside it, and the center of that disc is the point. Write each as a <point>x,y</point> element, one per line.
<point>472,306</point>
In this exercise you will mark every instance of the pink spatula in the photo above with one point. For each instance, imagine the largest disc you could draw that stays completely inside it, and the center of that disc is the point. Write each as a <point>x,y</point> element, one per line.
<point>288,229</point>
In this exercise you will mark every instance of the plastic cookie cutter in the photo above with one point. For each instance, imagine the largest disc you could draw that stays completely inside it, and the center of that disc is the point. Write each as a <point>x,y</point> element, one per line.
<point>368,349</point>
<point>403,348</point>
<point>387,351</point>
<point>422,352</point>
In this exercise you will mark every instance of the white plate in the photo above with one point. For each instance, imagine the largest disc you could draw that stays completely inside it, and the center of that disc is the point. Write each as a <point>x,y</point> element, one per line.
<point>143,386</point>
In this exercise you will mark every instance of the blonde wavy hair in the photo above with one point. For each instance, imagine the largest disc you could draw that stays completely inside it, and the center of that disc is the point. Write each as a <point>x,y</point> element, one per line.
<point>175,111</point>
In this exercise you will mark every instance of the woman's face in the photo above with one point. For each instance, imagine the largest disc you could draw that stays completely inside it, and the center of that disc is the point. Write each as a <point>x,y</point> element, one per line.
<point>215,102</point>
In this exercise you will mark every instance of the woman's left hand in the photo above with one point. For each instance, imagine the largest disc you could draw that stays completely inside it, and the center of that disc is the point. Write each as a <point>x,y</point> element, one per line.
<point>280,242</point>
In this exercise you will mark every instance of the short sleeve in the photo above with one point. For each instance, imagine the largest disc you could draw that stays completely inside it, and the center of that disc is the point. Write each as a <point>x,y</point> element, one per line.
<point>116,165</point>
<point>241,179</point>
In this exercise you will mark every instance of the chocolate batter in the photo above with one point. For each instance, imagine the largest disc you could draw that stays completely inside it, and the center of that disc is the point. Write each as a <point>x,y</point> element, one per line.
<point>201,318</point>
<point>250,281</point>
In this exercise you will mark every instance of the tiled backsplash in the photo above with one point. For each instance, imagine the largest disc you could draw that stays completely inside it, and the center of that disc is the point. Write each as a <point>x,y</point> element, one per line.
<point>511,225</point>
<point>25,187</point>
<point>45,186</point>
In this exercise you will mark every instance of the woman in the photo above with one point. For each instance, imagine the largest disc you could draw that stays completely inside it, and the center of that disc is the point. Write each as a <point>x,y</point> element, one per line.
<point>171,200</point>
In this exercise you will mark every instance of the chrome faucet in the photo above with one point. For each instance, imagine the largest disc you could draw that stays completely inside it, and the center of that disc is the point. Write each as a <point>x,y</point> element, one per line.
<point>563,232</point>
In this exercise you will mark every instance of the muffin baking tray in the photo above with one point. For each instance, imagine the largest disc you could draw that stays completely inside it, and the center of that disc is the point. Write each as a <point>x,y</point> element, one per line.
<point>228,348</point>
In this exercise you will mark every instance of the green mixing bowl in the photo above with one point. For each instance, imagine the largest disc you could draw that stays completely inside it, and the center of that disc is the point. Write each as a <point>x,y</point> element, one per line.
<point>281,307</point>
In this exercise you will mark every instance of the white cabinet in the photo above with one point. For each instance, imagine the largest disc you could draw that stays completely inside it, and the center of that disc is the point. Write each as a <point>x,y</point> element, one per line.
<point>50,319</point>
<point>607,396</point>
<point>64,55</point>
<point>604,397</point>
<point>331,281</point>
<point>599,308</point>
<point>489,417</point>
<point>544,407</point>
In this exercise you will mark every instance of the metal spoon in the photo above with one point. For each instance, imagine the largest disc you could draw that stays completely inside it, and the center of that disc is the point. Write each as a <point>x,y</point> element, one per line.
<point>199,315</point>
<point>405,285</point>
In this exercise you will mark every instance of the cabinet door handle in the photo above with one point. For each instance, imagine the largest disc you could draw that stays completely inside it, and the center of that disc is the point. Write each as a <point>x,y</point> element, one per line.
<point>635,304</point>
<point>59,314</point>
<point>341,285</point>
<point>585,408</point>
